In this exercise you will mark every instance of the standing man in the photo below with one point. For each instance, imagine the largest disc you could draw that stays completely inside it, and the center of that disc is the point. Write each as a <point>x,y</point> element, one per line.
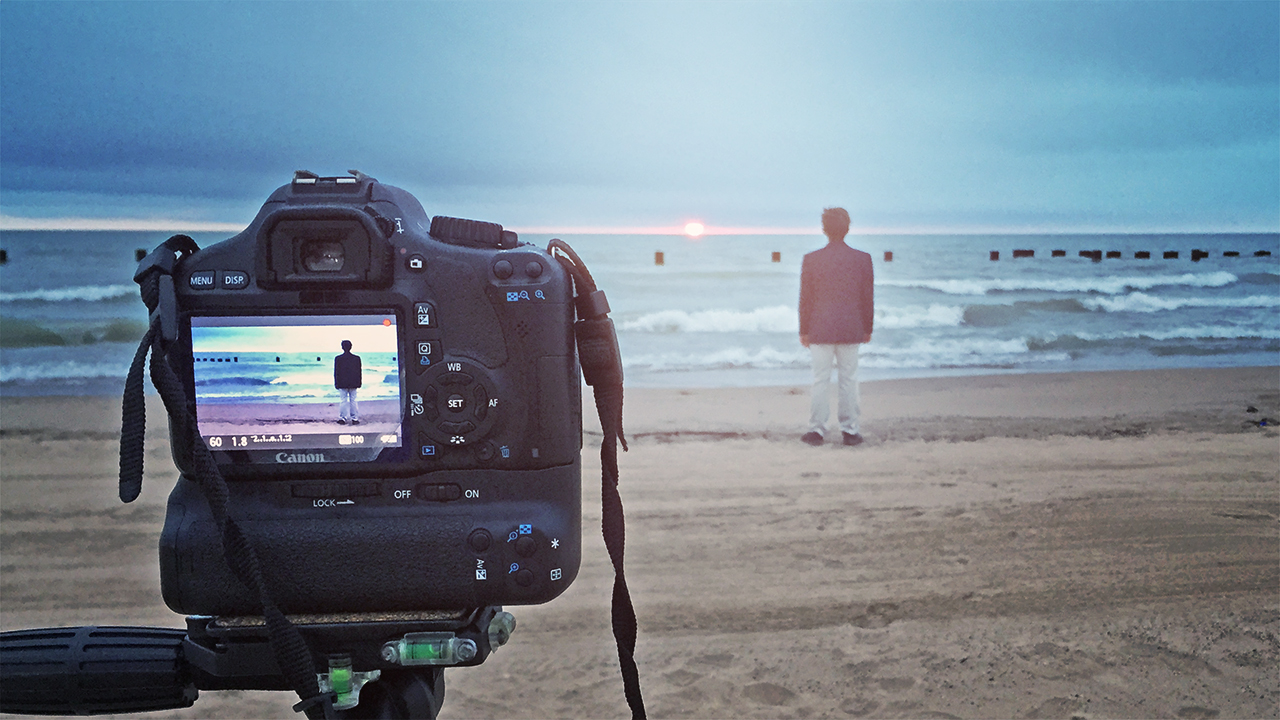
<point>836,311</point>
<point>347,377</point>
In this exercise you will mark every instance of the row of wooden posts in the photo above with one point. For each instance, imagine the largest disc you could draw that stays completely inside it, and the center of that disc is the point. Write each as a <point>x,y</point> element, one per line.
<point>1094,255</point>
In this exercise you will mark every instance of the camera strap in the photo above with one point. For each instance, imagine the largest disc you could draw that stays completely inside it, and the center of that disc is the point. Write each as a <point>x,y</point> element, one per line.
<point>602,369</point>
<point>155,277</point>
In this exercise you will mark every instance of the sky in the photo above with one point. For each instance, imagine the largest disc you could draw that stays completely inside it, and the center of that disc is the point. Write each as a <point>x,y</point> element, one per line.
<point>644,116</point>
<point>275,337</point>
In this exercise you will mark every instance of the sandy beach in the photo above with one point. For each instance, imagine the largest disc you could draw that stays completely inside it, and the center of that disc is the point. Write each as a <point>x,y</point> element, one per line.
<point>1093,545</point>
<point>376,416</point>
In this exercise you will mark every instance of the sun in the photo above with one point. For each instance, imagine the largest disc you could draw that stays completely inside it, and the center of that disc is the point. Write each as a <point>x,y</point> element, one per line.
<point>694,229</point>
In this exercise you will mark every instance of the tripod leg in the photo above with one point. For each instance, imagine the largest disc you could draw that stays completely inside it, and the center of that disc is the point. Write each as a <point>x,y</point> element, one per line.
<point>401,694</point>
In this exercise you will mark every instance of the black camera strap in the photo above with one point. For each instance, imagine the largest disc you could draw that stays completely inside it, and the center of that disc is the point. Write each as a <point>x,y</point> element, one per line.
<point>155,276</point>
<point>602,369</point>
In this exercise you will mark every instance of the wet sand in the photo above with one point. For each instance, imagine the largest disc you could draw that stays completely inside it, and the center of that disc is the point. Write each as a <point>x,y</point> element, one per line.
<point>1042,546</point>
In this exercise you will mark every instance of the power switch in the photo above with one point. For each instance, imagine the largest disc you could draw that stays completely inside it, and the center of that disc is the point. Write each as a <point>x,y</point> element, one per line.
<point>439,492</point>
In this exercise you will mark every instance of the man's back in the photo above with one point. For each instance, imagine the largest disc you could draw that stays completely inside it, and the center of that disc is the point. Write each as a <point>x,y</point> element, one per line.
<point>837,303</point>
<point>346,371</point>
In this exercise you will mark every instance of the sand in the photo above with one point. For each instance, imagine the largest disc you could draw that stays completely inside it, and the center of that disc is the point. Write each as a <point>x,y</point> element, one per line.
<point>376,417</point>
<point>1076,545</point>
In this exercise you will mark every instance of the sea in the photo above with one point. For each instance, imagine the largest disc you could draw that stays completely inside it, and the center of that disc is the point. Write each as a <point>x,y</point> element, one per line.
<point>721,310</point>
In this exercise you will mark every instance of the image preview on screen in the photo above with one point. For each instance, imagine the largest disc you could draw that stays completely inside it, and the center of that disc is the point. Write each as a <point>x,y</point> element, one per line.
<point>271,382</point>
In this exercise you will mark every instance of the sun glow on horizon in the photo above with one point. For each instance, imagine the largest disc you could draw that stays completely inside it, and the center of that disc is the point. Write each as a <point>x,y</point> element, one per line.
<point>694,229</point>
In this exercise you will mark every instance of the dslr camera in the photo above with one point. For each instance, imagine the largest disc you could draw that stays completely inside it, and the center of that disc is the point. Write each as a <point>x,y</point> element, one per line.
<point>377,418</point>
<point>432,464</point>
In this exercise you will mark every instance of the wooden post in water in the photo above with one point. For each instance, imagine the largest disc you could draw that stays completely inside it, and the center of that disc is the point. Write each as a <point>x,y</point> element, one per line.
<point>658,259</point>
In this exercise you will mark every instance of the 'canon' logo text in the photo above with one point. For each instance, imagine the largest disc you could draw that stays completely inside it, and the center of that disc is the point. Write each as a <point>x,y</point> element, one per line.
<point>300,457</point>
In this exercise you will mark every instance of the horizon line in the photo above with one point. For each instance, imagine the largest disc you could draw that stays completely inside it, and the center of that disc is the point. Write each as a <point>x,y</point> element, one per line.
<point>15,223</point>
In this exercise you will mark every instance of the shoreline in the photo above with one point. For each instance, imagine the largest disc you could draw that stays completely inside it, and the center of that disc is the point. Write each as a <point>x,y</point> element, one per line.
<point>679,380</point>
<point>1076,544</point>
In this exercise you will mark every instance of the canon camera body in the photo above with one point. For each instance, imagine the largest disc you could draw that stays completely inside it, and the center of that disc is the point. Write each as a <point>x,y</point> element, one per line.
<point>394,402</point>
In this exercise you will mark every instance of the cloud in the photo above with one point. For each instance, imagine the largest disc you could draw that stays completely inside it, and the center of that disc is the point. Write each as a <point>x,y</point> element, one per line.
<point>628,113</point>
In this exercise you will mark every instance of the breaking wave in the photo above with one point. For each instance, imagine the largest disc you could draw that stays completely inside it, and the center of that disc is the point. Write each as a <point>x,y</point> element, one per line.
<point>783,319</point>
<point>1143,303</point>
<point>83,293</point>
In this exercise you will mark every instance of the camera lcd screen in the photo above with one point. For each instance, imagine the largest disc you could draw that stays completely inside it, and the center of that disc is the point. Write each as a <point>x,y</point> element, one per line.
<point>298,383</point>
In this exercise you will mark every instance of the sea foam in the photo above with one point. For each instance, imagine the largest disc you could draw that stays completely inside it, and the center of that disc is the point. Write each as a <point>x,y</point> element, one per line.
<point>1110,285</point>
<point>1143,303</point>
<point>62,370</point>
<point>783,319</point>
<point>777,318</point>
<point>82,293</point>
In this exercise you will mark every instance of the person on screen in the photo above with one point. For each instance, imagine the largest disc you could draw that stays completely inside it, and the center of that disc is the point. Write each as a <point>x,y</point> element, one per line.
<point>836,311</point>
<point>346,377</point>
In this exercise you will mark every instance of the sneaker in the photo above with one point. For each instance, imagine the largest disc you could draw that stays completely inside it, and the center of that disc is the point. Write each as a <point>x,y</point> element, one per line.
<point>852,439</point>
<point>342,421</point>
<point>812,438</point>
<point>355,421</point>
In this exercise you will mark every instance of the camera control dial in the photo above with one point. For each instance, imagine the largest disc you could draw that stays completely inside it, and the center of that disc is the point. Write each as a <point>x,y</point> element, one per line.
<point>461,403</point>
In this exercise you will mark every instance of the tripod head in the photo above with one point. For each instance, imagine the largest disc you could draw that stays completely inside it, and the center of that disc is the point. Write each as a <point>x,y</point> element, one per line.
<point>96,670</point>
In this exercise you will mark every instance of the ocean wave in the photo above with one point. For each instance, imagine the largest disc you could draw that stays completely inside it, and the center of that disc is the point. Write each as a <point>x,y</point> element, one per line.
<point>1143,303</point>
<point>915,316</point>
<point>1260,278</point>
<point>783,319</point>
<point>1086,340</point>
<point>722,359</point>
<point>67,370</point>
<point>1109,285</point>
<point>243,381</point>
<point>922,353</point>
<point>1001,315</point>
<point>970,352</point>
<point>83,293</point>
<point>778,318</point>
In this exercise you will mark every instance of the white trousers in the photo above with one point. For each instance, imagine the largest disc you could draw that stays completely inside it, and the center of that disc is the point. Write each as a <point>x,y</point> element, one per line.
<point>347,407</point>
<point>844,360</point>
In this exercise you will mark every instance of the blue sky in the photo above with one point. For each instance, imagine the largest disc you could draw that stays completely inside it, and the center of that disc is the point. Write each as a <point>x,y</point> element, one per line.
<point>914,116</point>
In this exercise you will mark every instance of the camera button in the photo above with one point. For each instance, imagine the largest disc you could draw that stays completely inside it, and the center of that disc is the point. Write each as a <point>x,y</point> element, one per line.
<point>202,280</point>
<point>480,540</point>
<point>533,269</point>
<point>524,577</point>
<point>455,378</point>
<point>457,428</point>
<point>503,270</point>
<point>526,546</point>
<point>429,354</point>
<point>234,280</point>
<point>424,315</point>
<point>456,403</point>
<point>415,263</point>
